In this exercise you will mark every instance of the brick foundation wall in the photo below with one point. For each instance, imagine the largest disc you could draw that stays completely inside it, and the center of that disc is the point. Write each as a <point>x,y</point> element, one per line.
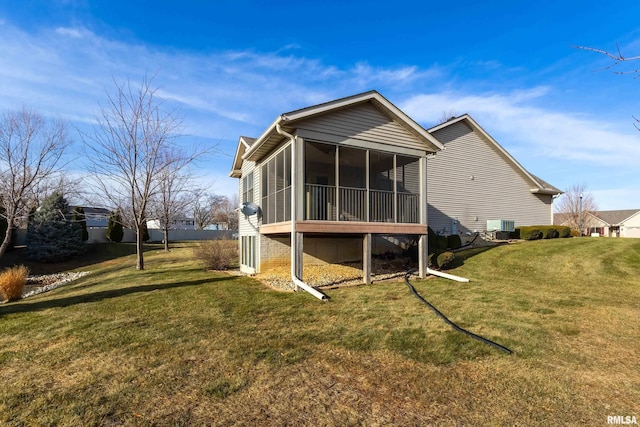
<point>275,252</point>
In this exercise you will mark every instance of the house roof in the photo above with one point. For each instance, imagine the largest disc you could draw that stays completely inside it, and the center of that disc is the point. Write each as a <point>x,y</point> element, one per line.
<point>270,138</point>
<point>560,218</point>
<point>244,143</point>
<point>539,186</point>
<point>616,217</point>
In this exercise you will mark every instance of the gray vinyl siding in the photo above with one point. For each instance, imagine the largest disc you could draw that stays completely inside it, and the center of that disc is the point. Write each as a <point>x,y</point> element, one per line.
<point>248,226</point>
<point>364,122</point>
<point>471,182</point>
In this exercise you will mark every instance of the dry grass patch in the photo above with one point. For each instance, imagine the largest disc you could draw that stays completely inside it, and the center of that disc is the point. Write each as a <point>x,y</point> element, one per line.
<point>12,283</point>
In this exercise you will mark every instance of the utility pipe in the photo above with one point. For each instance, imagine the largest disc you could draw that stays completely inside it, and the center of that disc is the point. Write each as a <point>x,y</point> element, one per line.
<point>294,247</point>
<point>447,275</point>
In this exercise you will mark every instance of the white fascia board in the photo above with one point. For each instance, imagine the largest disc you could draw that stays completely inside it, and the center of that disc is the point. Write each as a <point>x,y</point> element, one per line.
<point>258,142</point>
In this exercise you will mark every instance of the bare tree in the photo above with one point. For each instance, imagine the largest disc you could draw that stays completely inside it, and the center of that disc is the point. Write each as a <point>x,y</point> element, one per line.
<point>30,152</point>
<point>128,151</point>
<point>205,208</point>
<point>174,196</point>
<point>618,59</point>
<point>447,115</point>
<point>578,206</point>
<point>225,212</point>
<point>617,66</point>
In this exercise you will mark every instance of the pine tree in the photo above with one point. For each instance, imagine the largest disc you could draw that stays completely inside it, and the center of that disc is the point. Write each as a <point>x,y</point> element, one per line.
<point>115,232</point>
<point>145,231</point>
<point>52,235</point>
<point>80,218</point>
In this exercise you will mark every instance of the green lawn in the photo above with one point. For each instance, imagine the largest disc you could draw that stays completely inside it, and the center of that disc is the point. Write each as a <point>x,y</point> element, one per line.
<point>176,345</point>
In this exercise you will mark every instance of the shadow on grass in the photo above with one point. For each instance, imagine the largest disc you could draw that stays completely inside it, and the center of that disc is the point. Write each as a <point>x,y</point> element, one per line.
<point>94,254</point>
<point>25,306</point>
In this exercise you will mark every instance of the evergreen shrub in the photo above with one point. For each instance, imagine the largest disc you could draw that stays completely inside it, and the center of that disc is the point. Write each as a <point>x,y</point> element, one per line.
<point>80,218</point>
<point>445,259</point>
<point>530,233</point>
<point>563,231</point>
<point>115,231</point>
<point>549,231</point>
<point>52,235</point>
<point>454,241</point>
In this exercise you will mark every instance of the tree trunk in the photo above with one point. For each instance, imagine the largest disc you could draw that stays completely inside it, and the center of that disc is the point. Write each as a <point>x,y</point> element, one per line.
<point>139,247</point>
<point>166,239</point>
<point>7,239</point>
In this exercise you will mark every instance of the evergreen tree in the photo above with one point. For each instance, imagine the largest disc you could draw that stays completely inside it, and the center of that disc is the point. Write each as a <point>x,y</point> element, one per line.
<point>115,232</point>
<point>52,235</point>
<point>145,231</point>
<point>80,218</point>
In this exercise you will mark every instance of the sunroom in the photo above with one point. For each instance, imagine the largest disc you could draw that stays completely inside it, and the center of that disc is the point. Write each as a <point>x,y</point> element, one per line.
<point>343,183</point>
<point>347,170</point>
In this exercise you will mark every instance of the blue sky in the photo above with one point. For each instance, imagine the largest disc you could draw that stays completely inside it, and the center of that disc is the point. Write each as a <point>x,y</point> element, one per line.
<point>231,67</point>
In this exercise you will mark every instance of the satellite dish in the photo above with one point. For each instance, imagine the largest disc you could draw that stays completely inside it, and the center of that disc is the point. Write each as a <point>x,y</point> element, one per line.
<point>249,209</point>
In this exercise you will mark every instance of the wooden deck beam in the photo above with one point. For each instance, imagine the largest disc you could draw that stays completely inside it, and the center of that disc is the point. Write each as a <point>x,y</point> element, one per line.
<point>352,227</point>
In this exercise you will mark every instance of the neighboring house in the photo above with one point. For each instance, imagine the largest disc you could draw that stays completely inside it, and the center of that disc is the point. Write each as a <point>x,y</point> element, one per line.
<point>95,217</point>
<point>328,180</point>
<point>475,180</point>
<point>217,226</point>
<point>617,223</point>
<point>176,224</point>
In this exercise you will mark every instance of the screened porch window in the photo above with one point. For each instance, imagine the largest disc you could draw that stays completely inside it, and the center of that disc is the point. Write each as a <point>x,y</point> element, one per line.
<point>353,184</point>
<point>320,181</point>
<point>276,187</point>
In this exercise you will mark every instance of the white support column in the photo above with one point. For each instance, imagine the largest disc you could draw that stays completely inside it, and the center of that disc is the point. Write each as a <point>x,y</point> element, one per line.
<point>294,255</point>
<point>366,259</point>
<point>297,206</point>
<point>423,243</point>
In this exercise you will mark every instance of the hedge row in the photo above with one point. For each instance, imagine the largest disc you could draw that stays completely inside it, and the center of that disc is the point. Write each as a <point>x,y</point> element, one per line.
<point>534,232</point>
<point>443,260</point>
<point>440,255</point>
<point>436,241</point>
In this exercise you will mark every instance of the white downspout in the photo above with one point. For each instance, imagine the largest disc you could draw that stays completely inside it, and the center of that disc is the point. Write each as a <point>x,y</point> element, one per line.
<point>299,283</point>
<point>446,275</point>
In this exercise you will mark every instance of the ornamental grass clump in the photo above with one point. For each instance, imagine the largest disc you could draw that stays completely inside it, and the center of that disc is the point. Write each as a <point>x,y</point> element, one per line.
<point>12,282</point>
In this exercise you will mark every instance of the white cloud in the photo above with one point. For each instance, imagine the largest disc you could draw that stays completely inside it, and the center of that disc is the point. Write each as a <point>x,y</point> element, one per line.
<point>514,120</point>
<point>77,33</point>
<point>64,71</point>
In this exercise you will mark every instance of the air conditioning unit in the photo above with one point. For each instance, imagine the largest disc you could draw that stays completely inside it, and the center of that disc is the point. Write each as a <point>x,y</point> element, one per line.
<point>501,225</point>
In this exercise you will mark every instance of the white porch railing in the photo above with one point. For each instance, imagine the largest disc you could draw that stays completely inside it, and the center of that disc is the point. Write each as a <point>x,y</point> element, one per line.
<point>381,206</point>
<point>322,204</point>
<point>353,204</point>
<point>408,208</point>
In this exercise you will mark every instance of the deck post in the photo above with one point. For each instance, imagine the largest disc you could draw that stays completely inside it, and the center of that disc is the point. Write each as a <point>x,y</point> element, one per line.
<point>366,259</point>
<point>423,256</point>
